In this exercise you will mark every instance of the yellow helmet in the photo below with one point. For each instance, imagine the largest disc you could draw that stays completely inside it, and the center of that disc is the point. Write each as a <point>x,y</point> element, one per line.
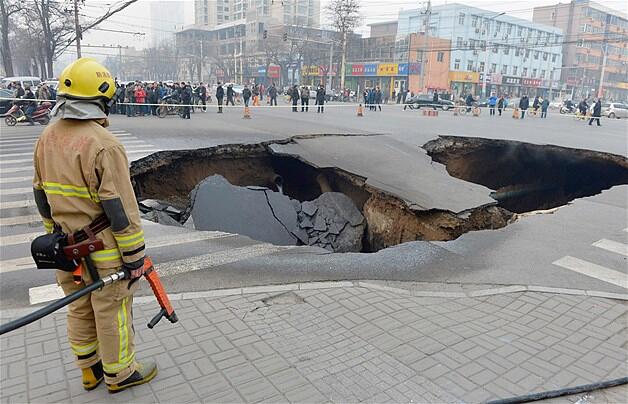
<point>86,79</point>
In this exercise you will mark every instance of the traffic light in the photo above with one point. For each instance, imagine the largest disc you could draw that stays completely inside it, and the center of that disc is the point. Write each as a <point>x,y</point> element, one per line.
<point>265,34</point>
<point>285,36</point>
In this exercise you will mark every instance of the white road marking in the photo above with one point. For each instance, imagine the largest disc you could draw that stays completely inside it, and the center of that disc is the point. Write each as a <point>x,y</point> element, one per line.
<point>30,160</point>
<point>138,146</point>
<point>32,138</point>
<point>4,180</point>
<point>25,203</point>
<point>16,191</point>
<point>19,238</point>
<point>143,151</point>
<point>9,221</point>
<point>16,154</point>
<point>593,270</point>
<point>16,264</point>
<point>4,171</point>
<point>42,294</point>
<point>612,246</point>
<point>17,142</point>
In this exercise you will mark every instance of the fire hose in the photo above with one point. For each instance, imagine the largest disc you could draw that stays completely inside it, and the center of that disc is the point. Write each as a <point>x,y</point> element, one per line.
<point>149,273</point>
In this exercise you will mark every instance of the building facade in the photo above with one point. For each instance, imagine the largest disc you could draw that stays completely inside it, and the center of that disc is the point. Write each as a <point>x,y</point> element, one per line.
<point>212,13</point>
<point>518,56</point>
<point>166,17</point>
<point>598,38</point>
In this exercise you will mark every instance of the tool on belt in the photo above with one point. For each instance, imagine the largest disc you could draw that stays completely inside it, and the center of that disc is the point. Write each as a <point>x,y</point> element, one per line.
<point>69,252</point>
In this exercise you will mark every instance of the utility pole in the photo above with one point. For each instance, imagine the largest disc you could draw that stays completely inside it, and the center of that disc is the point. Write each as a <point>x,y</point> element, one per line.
<point>200,65</point>
<point>344,60</point>
<point>426,21</point>
<point>331,62</point>
<point>77,27</point>
<point>120,61</point>
<point>600,91</point>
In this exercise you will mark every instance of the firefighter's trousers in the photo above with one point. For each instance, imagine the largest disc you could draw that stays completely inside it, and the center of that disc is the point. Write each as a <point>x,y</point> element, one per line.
<point>100,325</point>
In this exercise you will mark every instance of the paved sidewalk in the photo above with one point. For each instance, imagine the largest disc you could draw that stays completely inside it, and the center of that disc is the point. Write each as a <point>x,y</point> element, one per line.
<point>342,344</point>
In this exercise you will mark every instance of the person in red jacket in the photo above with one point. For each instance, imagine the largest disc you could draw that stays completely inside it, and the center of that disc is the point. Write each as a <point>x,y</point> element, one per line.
<point>140,98</point>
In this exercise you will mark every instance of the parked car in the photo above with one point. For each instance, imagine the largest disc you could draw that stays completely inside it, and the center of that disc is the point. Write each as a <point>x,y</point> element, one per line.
<point>427,101</point>
<point>5,105</point>
<point>615,110</point>
<point>25,81</point>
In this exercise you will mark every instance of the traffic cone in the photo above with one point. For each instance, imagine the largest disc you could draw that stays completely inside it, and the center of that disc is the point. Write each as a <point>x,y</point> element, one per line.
<point>247,113</point>
<point>360,110</point>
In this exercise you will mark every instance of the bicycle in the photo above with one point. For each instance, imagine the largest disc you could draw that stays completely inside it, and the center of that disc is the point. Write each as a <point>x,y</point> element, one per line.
<point>169,106</point>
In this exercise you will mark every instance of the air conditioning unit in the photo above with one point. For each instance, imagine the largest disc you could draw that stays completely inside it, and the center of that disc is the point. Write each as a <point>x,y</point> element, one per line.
<point>475,52</point>
<point>477,30</point>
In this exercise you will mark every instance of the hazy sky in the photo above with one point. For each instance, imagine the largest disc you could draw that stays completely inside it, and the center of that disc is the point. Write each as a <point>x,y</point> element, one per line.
<point>136,18</point>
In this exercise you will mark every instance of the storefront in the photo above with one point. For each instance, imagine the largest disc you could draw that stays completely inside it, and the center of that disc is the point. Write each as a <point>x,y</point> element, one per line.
<point>462,83</point>
<point>511,86</point>
<point>386,76</point>
<point>315,75</point>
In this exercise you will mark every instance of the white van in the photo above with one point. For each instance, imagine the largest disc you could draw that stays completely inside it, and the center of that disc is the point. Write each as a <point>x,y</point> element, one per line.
<point>30,81</point>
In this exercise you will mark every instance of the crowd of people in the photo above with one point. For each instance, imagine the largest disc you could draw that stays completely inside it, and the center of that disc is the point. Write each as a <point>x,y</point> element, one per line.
<point>28,98</point>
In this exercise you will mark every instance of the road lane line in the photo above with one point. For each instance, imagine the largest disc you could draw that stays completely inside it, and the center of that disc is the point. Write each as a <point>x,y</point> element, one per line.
<point>34,138</point>
<point>138,146</point>
<point>593,270</point>
<point>42,294</point>
<point>11,221</point>
<point>25,203</point>
<point>612,246</point>
<point>30,160</point>
<point>16,155</point>
<point>19,238</point>
<point>143,151</point>
<point>16,191</point>
<point>4,171</point>
<point>18,142</point>
<point>6,180</point>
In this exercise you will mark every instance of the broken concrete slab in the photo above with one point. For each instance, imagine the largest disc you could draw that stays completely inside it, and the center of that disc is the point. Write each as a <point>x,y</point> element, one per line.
<point>391,166</point>
<point>309,208</point>
<point>284,211</point>
<point>218,205</point>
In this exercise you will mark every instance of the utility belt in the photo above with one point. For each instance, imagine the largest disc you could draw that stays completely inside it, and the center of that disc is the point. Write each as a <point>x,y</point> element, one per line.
<point>58,250</point>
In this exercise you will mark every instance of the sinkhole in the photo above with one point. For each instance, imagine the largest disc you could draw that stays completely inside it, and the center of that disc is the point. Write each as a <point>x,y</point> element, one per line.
<point>524,178</point>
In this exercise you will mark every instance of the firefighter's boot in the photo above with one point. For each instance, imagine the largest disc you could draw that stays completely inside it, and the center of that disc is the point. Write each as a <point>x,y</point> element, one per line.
<point>145,371</point>
<point>92,376</point>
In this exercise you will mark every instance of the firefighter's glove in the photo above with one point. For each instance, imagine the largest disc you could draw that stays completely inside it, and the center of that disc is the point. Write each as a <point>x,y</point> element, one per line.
<point>133,270</point>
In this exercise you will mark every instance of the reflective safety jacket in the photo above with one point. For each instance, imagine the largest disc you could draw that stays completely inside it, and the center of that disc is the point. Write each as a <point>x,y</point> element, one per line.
<point>81,171</point>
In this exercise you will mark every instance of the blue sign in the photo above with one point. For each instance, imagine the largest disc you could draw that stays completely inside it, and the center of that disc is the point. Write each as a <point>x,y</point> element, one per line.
<point>402,70</point>
<point>370,69</point>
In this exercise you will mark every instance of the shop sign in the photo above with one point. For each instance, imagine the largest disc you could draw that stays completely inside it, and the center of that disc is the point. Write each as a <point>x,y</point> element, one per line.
<point>311,71</point>
<point>464,77</point>
<point>274,72</point>
<point>387,69</point>
<point>622,85</point>
<point>531,82</point>
<point>356,70</point>
<point>261,71</point>
<point>511,80</point>
<point>415,68</point>
<point>370,69</point>
<point>488,78</point>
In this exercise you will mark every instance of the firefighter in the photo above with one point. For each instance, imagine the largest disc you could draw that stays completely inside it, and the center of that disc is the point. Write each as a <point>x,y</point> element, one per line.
<point>81,172</point>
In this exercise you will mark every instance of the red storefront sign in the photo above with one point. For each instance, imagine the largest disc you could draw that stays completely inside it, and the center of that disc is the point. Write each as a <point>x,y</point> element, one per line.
<point>274,72</point>
<point>220,73</point>
<point>357,70</point>
<point>531,82</point>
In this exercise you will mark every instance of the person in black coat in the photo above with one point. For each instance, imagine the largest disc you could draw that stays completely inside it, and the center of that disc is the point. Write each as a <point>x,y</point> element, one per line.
<point>246,95</point>
<point>524,104</point>
<point>320,99</point>
<point>230,95</point>
<point>500,105</point>
<point>202,92</point>
<point>220,94</point>
<point>597,112</point>
<point>294,96</point>
<point>186,99</point>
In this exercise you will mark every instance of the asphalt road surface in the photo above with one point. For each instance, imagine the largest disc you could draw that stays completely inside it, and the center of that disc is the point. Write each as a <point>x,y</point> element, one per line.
<point>581,246</point>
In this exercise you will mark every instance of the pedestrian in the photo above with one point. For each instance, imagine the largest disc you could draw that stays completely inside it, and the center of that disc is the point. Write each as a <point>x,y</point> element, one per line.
<point>582,109</point>
<point>186,99</point>
<point>524,104</point>
<point>153,98</point>
<point>597,112</point>
<point>120,93</point>
<point>261,92</point>
<point>394,95</point>
<point>19,91</point>
<point>230,95</point>
<point>399,94</point>
<point>294,96</point>
<point>129,97</point>
<point>492,101</point>
<point>378,98</point>
<point>255,95</point>
<point>305,99</point>
<point>140,98</point>
<point>272,94</point>
<point>500,105</point>
<point>246,95</point>
<point>29,106</point>
<point>536,104</point>
<point>544,106</point>
<point>43,93</point>
<point>220,94</point>
<point>435,98</point>
<point>320,98</point>
<point>469,101</point>
<point>91,180</point>
<point>202,92</point>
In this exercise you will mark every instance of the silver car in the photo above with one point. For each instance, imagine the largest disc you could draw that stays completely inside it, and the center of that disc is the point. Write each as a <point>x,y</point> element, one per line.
<point>615,110</point>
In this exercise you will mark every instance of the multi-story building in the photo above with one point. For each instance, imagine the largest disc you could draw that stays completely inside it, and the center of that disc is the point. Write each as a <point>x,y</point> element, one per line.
<point>518,56</point>
<point>213,13</point>
<point>166,18</point>
<point>597,37</point>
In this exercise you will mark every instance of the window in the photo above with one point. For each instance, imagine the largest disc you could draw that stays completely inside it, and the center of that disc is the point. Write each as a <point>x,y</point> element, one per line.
<point>527,53</point>
<point>498,26</point>
<point>519,31</point>
<point>517,51</point>
<point>524,72</point>
<point>457,64</point>
<point>509,30</point>
<point>461,18</point>
<point>542,74</point>
<point>505,69</point>
<point>495,48</point>
<point>470,65</point>
<point>506,50</point>
<point>459,42</point>
<point>481,67</point>
<point>536,55</point>
<point>493,67</point>
<point>474,21</point>
<point>545,55</point>
<point>514,70</point>
<point>472,44</point>
<point>533,73</point>
<point>440,56</point>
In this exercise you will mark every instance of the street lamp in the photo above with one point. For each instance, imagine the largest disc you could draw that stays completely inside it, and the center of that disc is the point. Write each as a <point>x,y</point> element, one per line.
<point>488,28</point>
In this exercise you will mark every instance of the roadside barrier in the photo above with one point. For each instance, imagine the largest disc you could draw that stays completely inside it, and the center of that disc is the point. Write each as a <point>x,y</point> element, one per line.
<point>360,110</point>
<point>430,112</point>
<point>247,113</point>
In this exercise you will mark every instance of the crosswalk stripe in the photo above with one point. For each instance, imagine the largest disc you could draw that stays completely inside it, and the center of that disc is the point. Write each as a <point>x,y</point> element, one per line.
<point>25,203</point>
<point>593,270</point>
<point>17,142</point>
<point>19,238</point>
<point>138,146</point>
<point>6,180</point>
<point>10,221</point>
<point>30,160</point>
<point>34,138</point>
<point>612,246</point>
<point>142,151</point>
<point>42,294</point>
<point>16,154</point>
<point>4,171</point>
<point>16,264</point>
<point>16,191</point>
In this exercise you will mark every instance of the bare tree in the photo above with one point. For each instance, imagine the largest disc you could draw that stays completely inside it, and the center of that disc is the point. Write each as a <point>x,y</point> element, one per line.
<point>345,17</point>
<point>7,9</point>
<point>56,28</point>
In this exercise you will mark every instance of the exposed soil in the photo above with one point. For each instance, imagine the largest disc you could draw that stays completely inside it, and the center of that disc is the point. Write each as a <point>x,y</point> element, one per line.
<point>525,178</point>
<point>528,177</point>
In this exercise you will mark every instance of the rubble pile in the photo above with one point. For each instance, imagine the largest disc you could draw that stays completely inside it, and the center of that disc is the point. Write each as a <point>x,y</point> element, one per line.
<point>160,212</point>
